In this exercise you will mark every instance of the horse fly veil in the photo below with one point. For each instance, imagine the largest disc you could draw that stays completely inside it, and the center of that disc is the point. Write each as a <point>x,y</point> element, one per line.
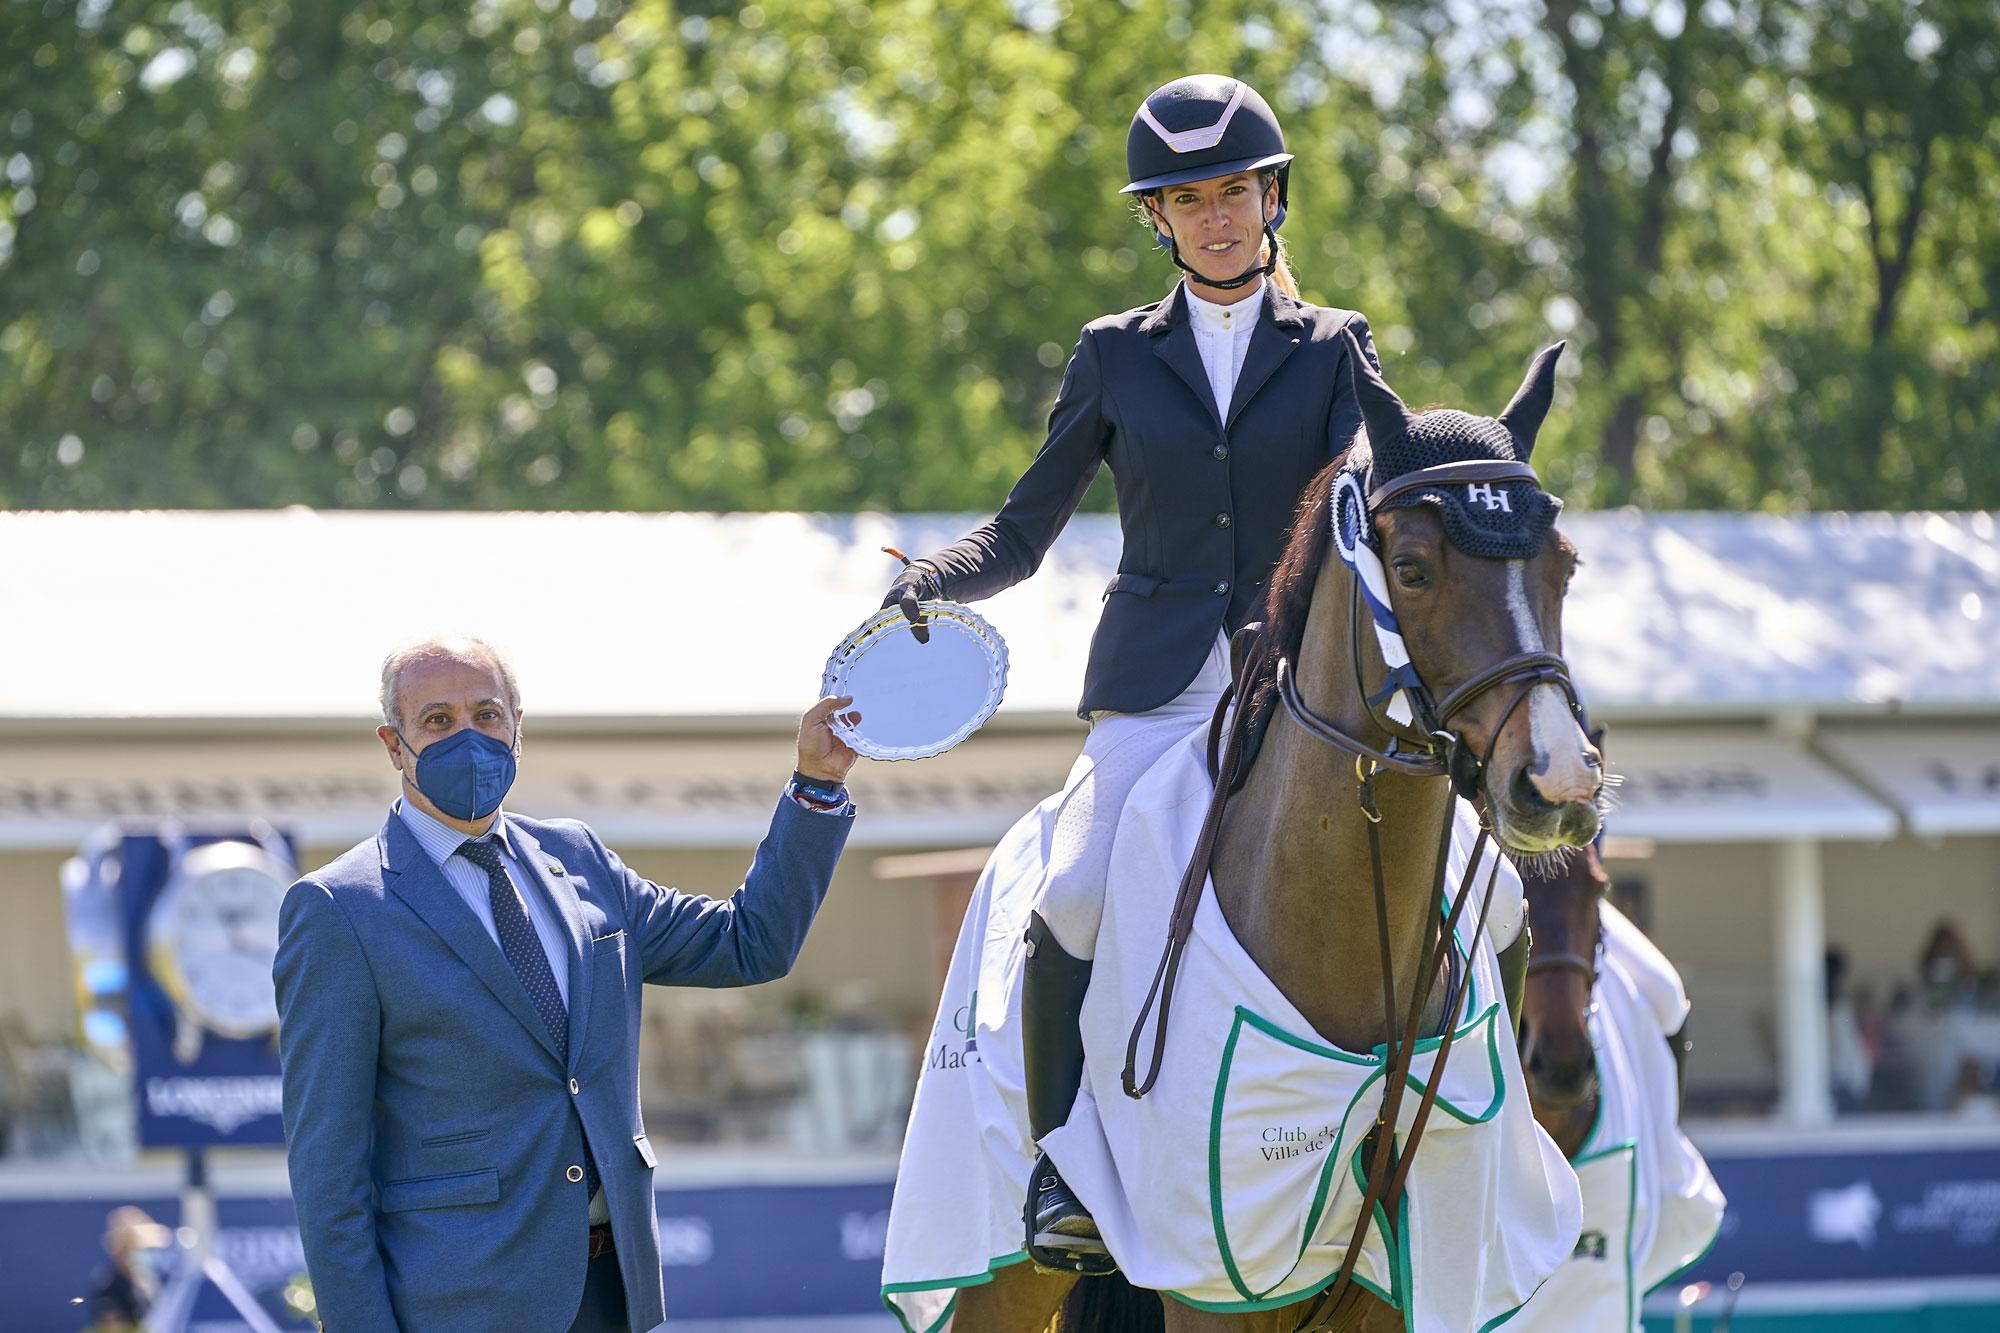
<point>1410,459</point>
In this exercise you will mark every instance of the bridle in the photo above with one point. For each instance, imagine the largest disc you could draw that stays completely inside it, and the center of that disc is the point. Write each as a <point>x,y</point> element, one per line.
<point>1588,968</point>
<point>1429,750</point>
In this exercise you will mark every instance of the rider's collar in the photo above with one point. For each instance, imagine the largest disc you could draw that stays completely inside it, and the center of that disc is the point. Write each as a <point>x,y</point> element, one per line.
<point>1209,317</point>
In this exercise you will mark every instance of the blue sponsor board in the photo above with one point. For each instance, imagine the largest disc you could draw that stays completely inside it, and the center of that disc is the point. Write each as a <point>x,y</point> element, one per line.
<point>1845,1217</point>
<point>195,1089</point>
<point>785,1251</point>
<point>762,1251</point>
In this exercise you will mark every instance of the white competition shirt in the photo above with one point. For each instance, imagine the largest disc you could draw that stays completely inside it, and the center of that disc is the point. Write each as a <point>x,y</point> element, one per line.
<point>1222,333</point>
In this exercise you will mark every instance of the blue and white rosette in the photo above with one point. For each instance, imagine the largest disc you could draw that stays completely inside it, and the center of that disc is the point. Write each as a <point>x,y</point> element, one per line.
<point>1354,538</point>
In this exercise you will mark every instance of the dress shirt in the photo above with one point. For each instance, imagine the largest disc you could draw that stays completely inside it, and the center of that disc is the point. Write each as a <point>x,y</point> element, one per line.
<point>441,842</point>
<point>1222,334</point>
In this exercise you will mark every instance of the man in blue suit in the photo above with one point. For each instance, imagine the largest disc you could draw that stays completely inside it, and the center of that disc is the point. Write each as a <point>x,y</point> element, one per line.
<point>459,1020</point>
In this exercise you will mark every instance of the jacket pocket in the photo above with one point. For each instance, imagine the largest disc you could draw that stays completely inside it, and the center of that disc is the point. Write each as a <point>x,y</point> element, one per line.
<point>645,1148</point>
<point>611,943</point>
<point>1139,585</point>
<point>402,1196</point>
<point>451,1140</point>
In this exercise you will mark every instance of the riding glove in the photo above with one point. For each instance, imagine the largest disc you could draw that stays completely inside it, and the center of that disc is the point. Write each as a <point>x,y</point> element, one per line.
<point>917,583</point>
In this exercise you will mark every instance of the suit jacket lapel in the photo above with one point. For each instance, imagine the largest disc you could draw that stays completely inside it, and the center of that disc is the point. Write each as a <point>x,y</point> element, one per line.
<point>555,883</point>
<point>1173,343</point>
<point>1273,340</point>
<point>411,875</point>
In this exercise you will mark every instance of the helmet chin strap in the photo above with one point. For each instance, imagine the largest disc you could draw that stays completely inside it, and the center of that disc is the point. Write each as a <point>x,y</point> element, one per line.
<point>1247,276</point>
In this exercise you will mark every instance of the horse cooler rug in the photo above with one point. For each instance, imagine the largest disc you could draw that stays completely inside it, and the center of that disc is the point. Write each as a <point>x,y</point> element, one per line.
<point>1236,1182</point>
<point>1650,1206</point>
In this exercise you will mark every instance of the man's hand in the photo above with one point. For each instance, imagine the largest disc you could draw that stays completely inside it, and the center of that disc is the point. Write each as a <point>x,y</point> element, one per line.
<point>823,756</point>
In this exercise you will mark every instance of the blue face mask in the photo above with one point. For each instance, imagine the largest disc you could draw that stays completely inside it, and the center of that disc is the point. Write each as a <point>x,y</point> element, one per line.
<point>466,774</point>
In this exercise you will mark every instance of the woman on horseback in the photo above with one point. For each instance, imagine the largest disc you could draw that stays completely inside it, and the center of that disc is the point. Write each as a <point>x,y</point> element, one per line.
<point>1213,407</point>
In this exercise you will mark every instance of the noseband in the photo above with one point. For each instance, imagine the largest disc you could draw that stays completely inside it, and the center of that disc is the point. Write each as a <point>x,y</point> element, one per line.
<point>1587,968</point>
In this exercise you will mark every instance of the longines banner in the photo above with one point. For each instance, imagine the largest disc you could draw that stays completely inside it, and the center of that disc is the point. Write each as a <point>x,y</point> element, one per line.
<point>200,916</point>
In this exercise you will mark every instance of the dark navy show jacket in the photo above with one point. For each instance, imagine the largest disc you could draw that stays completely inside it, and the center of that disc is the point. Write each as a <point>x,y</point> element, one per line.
<point>1203,502</point>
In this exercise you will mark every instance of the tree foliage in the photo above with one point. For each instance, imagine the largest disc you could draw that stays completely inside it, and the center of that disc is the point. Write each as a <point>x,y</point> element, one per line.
<point>822,254</point>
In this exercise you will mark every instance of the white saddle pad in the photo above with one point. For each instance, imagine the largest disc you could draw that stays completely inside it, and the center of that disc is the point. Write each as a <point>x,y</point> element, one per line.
<point>1650,1206</point>
<point>1243,1159</point>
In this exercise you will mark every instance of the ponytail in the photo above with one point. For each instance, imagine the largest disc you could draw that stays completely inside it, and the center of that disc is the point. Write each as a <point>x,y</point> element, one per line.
<point>1281,272</point>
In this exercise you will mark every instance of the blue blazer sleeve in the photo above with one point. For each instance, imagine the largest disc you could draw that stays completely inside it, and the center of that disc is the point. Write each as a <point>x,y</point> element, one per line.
<point>329,1026</point>
<point>755,934</point>
<point>996,555</point>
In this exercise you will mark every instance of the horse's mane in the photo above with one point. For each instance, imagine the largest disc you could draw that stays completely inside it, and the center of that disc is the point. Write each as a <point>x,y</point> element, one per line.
<point>1288,598</point>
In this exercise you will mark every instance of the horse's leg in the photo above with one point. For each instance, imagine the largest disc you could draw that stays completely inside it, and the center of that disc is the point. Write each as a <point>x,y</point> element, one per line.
<point>1020,1299</point>
<point>1186,1319</point>
<point>1367,1316</point>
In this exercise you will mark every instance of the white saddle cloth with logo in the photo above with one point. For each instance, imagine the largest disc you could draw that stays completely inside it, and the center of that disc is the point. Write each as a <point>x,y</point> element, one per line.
<point>1243,1159</point>
<point>1650,1206</point>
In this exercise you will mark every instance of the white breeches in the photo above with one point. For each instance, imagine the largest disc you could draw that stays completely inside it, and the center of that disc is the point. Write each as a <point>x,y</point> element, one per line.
<point>1119,750</point>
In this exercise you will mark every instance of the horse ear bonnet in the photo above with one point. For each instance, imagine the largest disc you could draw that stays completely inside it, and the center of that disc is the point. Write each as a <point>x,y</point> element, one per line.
<point>1503,520</point>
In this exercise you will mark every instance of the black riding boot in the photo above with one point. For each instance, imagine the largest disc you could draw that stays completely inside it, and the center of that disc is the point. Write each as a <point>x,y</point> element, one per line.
<point>1060,1232</point>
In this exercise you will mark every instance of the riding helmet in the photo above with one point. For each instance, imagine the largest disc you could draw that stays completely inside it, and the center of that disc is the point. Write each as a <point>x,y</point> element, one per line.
<point>1200,127</point>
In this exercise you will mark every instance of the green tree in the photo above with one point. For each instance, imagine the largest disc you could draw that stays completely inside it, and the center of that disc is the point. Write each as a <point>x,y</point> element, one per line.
<point>697,253</point>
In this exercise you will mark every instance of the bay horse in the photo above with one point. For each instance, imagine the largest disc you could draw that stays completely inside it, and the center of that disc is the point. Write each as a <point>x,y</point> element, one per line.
<point>1602,1045</point>
<point>1563,964</point>
<point>1467,561</point>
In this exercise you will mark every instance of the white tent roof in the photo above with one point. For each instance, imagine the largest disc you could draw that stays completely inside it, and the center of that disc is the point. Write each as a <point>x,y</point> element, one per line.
<point>1944,780</point>
<point>693,617</point>
<point>1734,783</point>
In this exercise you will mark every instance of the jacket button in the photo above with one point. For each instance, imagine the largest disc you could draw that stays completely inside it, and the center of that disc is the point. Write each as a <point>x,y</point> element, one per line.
<point>1222,520</point>
<point>572,1085</point>
<point>1221,451</point>
<point>1221,589</point>
<point>574,1174</point>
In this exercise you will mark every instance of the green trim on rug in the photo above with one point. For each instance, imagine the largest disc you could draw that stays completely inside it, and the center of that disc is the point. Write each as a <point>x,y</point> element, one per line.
<point>952,1284</point>
<point>1630,1148</point>
<point>1706,1250</point>
<point>1488,1018</point>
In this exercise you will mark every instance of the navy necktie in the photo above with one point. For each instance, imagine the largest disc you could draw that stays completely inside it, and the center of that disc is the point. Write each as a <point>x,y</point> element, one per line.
<point>530,961</point>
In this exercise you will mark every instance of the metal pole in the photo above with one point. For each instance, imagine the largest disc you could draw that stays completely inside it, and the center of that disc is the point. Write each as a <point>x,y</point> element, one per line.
<point>1805,1094</point>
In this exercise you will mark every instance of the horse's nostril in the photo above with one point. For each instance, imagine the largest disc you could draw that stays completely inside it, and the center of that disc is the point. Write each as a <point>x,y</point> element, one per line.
<point>1526,796</point>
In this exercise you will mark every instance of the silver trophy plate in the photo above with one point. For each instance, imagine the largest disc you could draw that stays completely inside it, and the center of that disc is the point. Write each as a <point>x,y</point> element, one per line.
<point>915,699</point>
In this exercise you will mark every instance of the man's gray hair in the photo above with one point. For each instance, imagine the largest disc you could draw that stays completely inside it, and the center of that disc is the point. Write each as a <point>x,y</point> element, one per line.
<point>459,647</point>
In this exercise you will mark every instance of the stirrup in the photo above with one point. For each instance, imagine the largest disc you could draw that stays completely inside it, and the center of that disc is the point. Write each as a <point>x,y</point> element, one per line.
<point>1068,1241</point>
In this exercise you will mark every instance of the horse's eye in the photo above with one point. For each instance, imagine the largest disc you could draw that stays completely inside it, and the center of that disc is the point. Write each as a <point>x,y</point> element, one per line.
<point>1410,573</point>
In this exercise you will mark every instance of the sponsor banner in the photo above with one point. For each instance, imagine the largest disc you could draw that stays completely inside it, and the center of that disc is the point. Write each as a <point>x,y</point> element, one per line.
<point>1850,1216</point>
<point>744,1251</point>
<point>771,1252</point>
<point>198,1087</point>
